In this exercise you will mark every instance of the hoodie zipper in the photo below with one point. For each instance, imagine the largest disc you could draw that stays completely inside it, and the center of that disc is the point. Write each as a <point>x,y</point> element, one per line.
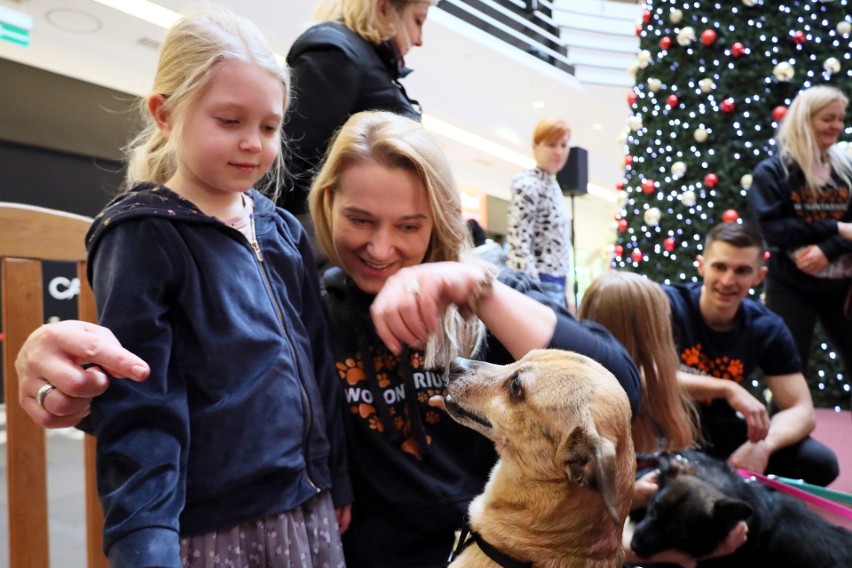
<point>255,246</point>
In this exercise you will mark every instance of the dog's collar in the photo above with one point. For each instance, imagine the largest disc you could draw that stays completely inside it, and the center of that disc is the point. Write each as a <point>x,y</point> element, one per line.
<point>468,536</point>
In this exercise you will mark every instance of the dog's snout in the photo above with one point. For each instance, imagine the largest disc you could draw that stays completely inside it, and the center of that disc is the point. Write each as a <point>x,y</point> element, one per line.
<point>460,366</point>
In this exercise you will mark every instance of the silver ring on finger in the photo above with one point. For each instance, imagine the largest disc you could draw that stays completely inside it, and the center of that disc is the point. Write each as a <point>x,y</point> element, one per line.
<point>42,393</point>
<point>412,286</point>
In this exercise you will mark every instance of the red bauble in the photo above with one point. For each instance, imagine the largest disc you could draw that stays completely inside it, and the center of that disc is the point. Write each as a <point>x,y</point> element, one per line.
<point>669,244</point>
<point>636,255</point>
<point>619,186</point>
<point>708,37</point>
<point>646,16</point>
<point>648,186</point>
<point>778,113</point>
<point>631,98</point>
<point>622,225</point>
<point>710,180</point>
<point>737,49</point>
<point>628,160</point>
<point>665,42</point>
<point>638,30</point>
<point>799,37</point>
<point>619,251</point>
<point>730,216</point>
<point>672,101</point>
<point>727,105</point>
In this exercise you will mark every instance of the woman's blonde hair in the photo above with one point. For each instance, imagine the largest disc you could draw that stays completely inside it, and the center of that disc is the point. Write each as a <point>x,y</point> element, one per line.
<point>364,16</point>
<point>636,311</point>
<point>797,143</point>
<point>192,50</point>
<point>397,142</point>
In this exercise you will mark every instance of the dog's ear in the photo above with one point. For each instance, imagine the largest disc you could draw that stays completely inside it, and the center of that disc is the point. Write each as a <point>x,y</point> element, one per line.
<point>731,510</point>
<point>590,461</point>
<point>671,465</point>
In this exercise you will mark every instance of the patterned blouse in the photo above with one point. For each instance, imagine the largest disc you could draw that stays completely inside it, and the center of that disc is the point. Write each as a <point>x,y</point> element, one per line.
<point>539,227</point>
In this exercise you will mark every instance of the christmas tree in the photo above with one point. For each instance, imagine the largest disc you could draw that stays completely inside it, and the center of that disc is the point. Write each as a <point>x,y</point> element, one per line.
<point>713,80</point>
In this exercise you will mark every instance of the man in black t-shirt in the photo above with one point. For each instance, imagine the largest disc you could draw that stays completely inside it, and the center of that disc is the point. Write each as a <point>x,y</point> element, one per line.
<point>723,336</point>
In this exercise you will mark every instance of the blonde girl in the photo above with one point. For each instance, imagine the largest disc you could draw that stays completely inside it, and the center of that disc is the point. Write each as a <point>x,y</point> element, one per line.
<point>228,453</point>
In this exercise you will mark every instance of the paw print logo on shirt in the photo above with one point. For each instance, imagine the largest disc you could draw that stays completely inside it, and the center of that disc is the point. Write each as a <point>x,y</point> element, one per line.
<point>735,370</point>
<point>383,380</point>
<point>432,417</point>
<point>351,371</point>
<point>691,356</point>
<point>376,423</point>
<point>363,410</point>
<point>720,367</point>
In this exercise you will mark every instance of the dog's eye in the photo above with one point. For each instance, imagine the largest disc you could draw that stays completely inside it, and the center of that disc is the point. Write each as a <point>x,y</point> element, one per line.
<point>516,388</point>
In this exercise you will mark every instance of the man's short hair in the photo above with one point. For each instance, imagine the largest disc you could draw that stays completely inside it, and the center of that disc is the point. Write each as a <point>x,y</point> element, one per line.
<point>740,235</point>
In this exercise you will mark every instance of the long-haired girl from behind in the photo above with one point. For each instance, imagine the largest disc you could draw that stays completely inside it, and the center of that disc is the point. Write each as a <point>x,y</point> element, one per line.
<point>636,311</point>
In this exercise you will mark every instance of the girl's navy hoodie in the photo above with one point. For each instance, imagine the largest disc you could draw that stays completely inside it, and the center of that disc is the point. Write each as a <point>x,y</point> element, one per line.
<point>241,415</point>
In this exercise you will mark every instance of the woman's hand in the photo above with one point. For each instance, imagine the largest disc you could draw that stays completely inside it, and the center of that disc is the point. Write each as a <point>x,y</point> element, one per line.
<point>811,259</point>
<point>735,539</point>
<point>407,308</point>
<point>643,488</point>
<point>344,517</point>
<point>55,354</point>
<point>845,230</point>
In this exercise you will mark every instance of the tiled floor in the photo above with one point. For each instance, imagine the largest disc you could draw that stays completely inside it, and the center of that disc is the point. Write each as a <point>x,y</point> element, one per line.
<point>835,430</point>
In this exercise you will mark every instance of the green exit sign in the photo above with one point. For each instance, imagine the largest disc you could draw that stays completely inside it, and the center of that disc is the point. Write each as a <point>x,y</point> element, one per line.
<point>15,26</point>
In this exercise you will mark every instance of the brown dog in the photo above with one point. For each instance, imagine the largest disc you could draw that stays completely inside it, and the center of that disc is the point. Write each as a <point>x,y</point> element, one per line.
<point>561,491</point>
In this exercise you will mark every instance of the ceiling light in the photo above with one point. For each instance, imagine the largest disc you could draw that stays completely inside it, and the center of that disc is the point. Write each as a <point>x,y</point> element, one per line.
<point>538,104</point>
<point>153,14</point>
<point>74,21</point>
<point>474,141</point>
<point>144,10</point>
<point>602,193</point>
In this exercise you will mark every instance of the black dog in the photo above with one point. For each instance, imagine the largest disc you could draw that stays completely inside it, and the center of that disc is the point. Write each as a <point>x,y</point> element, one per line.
<point>701,499</point>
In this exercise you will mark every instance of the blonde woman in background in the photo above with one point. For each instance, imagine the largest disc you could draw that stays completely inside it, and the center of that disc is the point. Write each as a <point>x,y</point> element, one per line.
<point>801,200</point>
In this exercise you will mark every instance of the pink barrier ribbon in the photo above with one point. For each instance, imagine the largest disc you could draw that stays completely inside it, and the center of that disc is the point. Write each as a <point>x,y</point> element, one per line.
<point>821,502</point>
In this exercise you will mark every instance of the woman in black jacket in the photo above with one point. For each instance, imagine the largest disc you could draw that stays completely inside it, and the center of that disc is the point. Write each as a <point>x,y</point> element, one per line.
<point>350,62</point>
<point>800,198</point>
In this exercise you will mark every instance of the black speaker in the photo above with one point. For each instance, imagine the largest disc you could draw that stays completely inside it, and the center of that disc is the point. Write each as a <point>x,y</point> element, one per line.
<point>574,177</point>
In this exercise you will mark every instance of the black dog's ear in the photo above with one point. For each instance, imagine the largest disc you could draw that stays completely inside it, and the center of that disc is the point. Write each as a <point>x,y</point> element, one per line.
<point>671,466</point>
<point>731,510</point>
<point>590,461</point>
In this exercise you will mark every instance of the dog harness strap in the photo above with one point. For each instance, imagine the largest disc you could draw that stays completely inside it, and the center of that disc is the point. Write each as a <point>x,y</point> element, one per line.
<point>500,558</point>
<point>462,543</point>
